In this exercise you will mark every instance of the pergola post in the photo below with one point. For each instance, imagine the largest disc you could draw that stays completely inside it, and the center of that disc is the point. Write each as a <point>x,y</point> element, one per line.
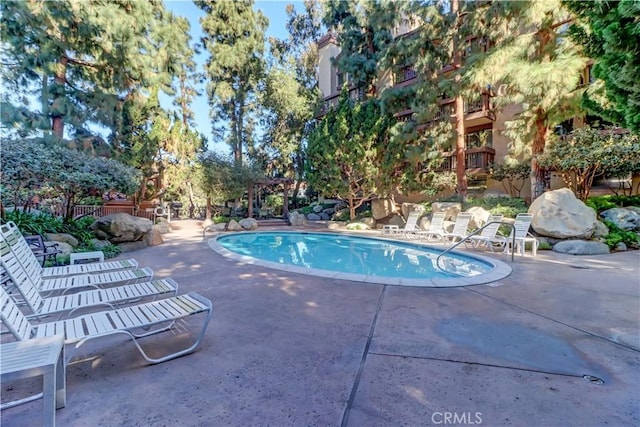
<point>250,204</point>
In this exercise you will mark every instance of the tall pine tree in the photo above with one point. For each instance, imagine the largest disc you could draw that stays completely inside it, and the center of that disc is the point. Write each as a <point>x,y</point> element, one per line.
<point>539,68</point>
<point>234,36</point>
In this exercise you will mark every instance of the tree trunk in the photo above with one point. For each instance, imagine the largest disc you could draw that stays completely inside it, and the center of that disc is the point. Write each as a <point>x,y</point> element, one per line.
<point>461,166</point>
<point>539,181</point>
<point>57,119</point>
<point>207,214</point>
<point>192,205</point>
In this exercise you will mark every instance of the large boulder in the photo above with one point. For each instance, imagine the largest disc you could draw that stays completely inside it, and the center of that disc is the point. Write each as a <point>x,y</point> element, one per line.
<point>479,217</point>
<point>297,219</point>
<point>601,230</point>
<point>121,227</point>
<point>313,217</point>
<point>62,237</point>
<point>624,218</point>
<point>561,215</point>
<point>153,237</point>
<point>248,224</point>
<point>450,209</point>
<point>163,227</point>
<point>407,208</point>
<point>234,226</point>
<point>382,208</point>
<point>581,247</point>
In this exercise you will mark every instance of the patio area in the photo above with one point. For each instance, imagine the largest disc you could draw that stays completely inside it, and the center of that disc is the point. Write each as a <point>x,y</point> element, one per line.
<point>285,349</point>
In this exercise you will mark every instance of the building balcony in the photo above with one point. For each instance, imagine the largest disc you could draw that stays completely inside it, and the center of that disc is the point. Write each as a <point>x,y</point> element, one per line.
<point>476,111</point>
<point>477,160</point>
<point>331,101</point>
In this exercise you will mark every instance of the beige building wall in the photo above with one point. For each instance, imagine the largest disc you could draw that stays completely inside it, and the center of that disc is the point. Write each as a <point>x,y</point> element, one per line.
<point>326,75</point>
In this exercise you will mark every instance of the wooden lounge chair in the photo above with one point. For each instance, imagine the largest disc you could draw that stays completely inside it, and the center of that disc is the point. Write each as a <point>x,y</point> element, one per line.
<point>135,321</point>
<point>21,248</point>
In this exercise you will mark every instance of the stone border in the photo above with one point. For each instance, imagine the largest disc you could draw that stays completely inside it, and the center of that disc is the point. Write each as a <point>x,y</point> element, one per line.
<point>499,271</point>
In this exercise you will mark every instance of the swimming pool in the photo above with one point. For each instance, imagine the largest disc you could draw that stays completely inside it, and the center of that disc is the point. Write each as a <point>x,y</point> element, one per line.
<point>363,259</point>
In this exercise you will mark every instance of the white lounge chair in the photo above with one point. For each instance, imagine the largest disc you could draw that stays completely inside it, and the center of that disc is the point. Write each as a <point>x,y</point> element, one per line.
<point>522,236</point>
<point>459,228</point>
<point>411,227</point>
<point>134,321</point>
<point>40,306</point>
<point>66,283</point>
<point>488,233</point>
<point>20,246</point>
<point>436,228</point>
<point>521,229</point>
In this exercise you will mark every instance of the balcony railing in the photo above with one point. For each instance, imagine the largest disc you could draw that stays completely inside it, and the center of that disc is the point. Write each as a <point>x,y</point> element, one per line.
<point>446,108</point>
<point>476,159</point>
<point>355,94</point>
<point>404,74</point>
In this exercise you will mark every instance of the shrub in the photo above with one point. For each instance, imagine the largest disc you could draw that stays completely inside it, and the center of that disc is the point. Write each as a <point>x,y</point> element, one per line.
<point>602,203</point>
<point>616,235</point>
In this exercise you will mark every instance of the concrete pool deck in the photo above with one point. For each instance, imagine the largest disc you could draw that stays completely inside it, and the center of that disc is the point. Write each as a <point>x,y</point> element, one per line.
<point>285,349</point>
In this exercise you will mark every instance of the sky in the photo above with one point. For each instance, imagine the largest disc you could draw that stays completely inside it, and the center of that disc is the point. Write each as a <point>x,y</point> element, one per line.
<point>274,10</point>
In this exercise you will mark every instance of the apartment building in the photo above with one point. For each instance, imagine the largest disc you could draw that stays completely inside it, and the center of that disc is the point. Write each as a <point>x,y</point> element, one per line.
<point>483,123</point>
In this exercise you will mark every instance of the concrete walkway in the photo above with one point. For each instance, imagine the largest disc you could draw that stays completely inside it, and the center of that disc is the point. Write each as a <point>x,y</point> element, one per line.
<point>285,349</point>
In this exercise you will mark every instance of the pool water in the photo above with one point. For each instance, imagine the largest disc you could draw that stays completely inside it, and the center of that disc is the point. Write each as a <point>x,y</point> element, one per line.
<point>356,258</point>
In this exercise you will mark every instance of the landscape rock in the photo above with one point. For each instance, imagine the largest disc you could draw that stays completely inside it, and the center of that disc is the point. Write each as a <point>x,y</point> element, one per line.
<point>407,208</point>
<point>621,247</point>
<point>479,217</point>
<point>63,247</point>
<point>581,247</point>
<point>121,227</point>
<point>234,226</point>
<point>248,224</point>
<point>369,222</point>
<point>561,215</point>
<point>494,194</point>
<point>396,219</point>
<point>317,208</point>
<point>132,246</point>
<point>450,209</point>
<point>297,219</point>
<point>313,217</point>
<point>153,237</point>
<point>324,216</point>
<point>624,218</point>
<point>62,237</point>
<point>100,244</point>
<point>163,227</point>
<point>601,230</point>
<point>382,208</point>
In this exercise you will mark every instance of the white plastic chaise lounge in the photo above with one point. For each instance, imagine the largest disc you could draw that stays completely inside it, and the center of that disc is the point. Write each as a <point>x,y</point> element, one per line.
<point>488,233</point>
<point>411,227</point>
<point>74,282</point>
<point>19,245</point>
<point>436,228</point>
<point>522,236</point>
<point>135,321</point>
<point>521,228</point>
<point>68,304</point>
<point>460,228</point>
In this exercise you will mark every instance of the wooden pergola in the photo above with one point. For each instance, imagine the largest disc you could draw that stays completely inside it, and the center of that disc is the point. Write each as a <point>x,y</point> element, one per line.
<point>269,182</point>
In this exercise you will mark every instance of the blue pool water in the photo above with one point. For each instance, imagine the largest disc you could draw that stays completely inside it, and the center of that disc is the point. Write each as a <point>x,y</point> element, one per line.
<point>356,258</point>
